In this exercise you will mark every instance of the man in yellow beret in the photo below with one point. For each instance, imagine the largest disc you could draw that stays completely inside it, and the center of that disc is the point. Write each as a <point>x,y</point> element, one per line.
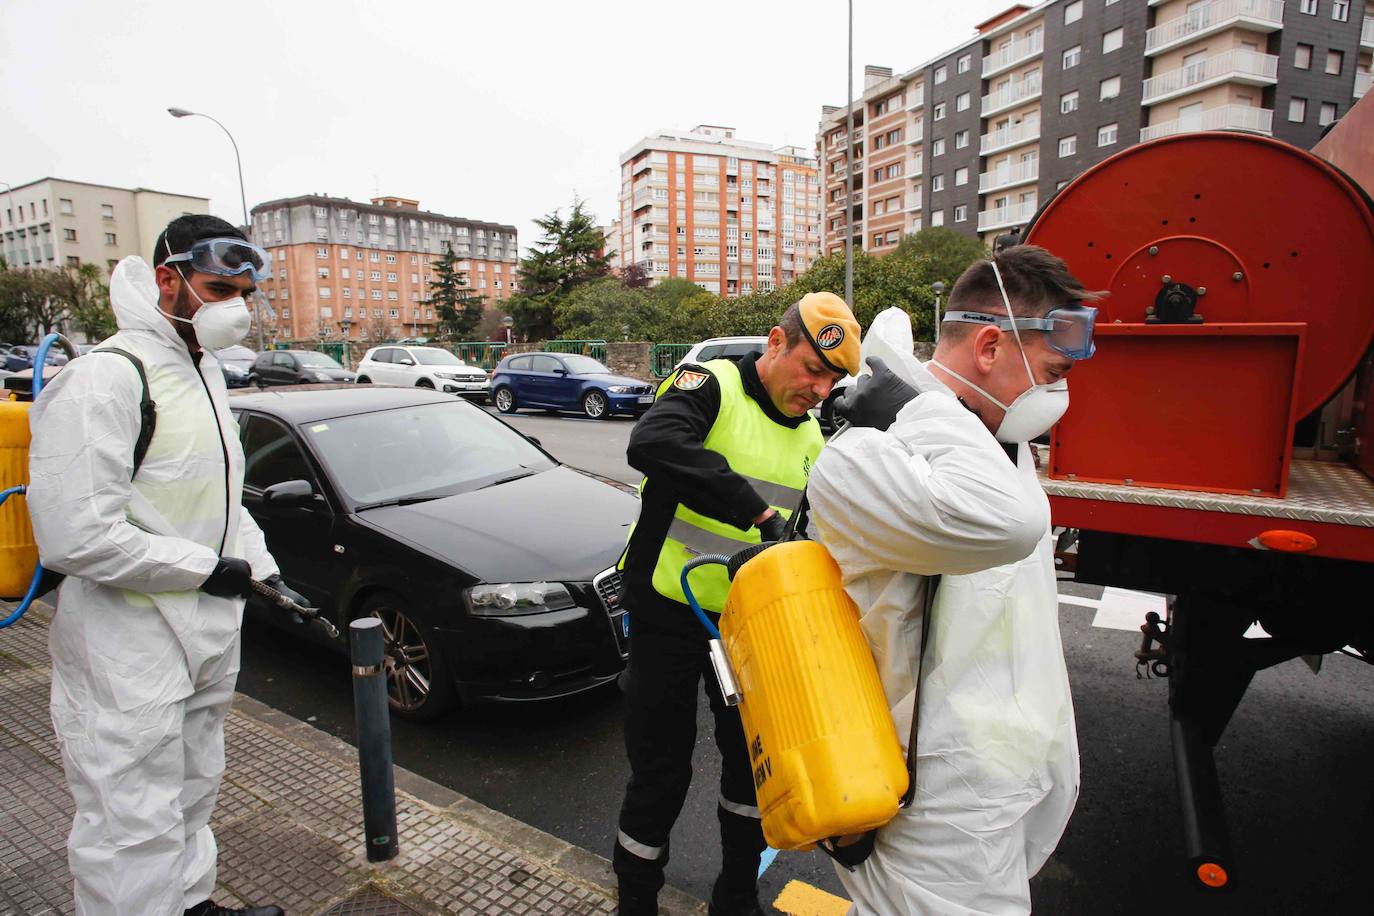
<point>726,451</point>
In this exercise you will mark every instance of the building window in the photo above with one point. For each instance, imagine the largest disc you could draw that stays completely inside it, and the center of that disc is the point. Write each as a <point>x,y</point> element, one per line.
<point>939,111</point>
<point>1297,110</point>
<point>391,259</point>
<point>1068,102</point>
<point>1106,135</point>
<point>393,313</point>
<point>391,295</point>
<point>961,213</point>
<point>961,139</point>
<point>1340,10</point>
<point>937,147</point>
<point>961,176</point>
<point>1309,7</point>
<point>322,252</point>
<point>110,239</point>
<point>69,235</point>
<point>324,273</point>
<point>106,210</point>
<point>961,101</point>
<point>963,64</point>
<point>377,294</point>
<point>1111,41</point>
<point>937,183</point>
<point>1109,88</point>
<point>390,276</point>
<point>374,256</point>
<point>1073,11</point>
<point>375,276</point>
<point>325,292</point>
<point>347,294</point>
<point>937,217</point>
<point>1327,113</point>
<point>64,206</point>
<point>1068,146</point>
<point>1302,57</point>
<point>1334,61</point>
<point>941,73</point>
<point>1071,57</point>
<point>877,240</point>
<point>73,261</point>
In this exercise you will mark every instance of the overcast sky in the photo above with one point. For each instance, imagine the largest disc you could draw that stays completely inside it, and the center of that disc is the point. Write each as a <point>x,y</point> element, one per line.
<point>498,110</point>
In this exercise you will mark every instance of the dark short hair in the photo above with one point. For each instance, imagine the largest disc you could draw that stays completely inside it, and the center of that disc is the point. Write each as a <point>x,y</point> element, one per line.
<point>184,231</point>
<point>791,323</point>
<point>1036,282</point>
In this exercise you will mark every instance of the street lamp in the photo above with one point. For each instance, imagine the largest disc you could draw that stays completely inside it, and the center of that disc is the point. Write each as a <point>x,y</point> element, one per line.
<point>243,198</point>
<point>939,288</point>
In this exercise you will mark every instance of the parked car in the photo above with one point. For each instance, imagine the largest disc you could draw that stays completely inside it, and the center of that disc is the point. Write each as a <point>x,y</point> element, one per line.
<point>21,357</point>
<point>735,348</point>
<point>236,363</point>
<point>425,367</point>
<point>490,564</point>
<point>296,367</point>
<point>564,381</point>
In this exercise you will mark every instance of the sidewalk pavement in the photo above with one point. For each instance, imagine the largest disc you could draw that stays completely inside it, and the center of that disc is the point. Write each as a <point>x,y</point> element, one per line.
<point>289,823</point>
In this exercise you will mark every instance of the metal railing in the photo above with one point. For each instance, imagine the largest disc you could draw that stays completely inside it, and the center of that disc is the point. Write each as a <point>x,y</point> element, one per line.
<point>1235,63</point>
<point>1367,31</point>
<point>596,349</point>
<point>1005,177</point>
<point>1024,132</point>
<point>1362,83</point>
<point>1019,50</point>
<point>483,353</point>
<point>1224,117</point>
<point>1017,92</point>
<point>1209,17</point>
<point>663,357</point>
<point>1011,215</point>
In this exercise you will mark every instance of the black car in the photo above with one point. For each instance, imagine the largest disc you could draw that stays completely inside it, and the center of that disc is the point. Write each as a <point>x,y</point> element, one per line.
<point>490,564</point>
<point>236,363</point>
<point>296,367</point>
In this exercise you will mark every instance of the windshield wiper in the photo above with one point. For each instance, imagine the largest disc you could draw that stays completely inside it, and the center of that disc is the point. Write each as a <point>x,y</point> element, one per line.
<point>403,501</point>
<point>496,483</point>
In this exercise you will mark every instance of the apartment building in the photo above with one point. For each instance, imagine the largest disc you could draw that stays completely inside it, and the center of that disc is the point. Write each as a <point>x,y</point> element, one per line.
<point>55,222</point>
<point>345,269</point>
<point>978,137</point>
<point>729,215</point>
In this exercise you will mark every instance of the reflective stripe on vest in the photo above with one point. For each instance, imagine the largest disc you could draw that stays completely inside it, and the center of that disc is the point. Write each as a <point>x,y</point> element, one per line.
<point>774,459</point>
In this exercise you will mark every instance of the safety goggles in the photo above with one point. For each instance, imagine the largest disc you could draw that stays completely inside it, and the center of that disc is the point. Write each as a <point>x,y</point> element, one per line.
<point>1069,328</point>
<point>226,257</point>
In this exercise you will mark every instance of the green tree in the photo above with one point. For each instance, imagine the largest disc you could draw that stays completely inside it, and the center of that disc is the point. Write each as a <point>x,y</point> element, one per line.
<point>945,253</point>
<point>29,307</point>
<point>87,298</point>
<point>605,309</point>
<point>459,310</point>
<point>570,253</point>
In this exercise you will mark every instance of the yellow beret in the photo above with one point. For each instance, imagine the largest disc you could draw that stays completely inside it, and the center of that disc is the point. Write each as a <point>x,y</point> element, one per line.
<point>832,331</point>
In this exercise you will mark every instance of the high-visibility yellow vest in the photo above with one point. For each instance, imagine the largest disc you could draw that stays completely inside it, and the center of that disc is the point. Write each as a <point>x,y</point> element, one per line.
<point>774,459</point>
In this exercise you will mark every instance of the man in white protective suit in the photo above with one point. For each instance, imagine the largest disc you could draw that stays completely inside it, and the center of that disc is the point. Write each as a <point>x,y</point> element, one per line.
<point>158,556</point>
<point>935,479</point>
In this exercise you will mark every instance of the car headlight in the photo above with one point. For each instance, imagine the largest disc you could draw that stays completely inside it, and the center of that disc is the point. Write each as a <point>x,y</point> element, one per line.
<point>322,377</point>
<point>509,599</point>
<point>232,370</point>
<point>448,375</point>
<point>620,389</point>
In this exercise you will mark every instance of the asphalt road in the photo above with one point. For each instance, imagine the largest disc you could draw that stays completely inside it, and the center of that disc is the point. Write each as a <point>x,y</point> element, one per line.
<point>1294,764</point>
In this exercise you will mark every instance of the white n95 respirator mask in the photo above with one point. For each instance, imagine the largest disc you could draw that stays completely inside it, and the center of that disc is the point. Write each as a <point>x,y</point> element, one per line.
<point>218,324</point>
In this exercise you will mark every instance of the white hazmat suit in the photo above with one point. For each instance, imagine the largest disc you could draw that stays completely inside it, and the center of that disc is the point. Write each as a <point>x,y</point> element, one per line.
<point>143,664</point>
<point>997,753</point>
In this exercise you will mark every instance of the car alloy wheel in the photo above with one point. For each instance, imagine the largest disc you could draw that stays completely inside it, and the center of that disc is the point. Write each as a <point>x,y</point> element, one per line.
<point>424,383</point>
<point>417,678</point>
<point>505,400</point>
<point>594,405</point>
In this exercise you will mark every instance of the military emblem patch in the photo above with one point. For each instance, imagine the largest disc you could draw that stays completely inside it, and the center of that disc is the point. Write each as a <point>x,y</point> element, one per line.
<point>830,337</point>
<point>690,381</point>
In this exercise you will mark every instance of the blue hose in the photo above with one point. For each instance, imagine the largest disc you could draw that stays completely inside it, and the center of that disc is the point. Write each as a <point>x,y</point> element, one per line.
<point>40,362</point>
<point>703,560</point>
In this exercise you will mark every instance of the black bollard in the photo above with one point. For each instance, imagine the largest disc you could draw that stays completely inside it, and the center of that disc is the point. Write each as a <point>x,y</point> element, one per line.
<point>374,739</point>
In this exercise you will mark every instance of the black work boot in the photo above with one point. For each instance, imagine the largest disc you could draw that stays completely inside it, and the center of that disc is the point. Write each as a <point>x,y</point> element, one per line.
<point>734,901</point>
<point>211,908</point>
<point>636,900</point>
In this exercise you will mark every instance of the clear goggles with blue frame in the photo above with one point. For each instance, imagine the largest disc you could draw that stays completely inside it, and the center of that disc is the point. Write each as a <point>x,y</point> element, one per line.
<point>1069,328</point>
<point>226,257</point>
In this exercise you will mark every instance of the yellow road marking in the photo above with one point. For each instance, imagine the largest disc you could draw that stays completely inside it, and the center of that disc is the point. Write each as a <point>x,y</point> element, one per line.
<point>801,899</point>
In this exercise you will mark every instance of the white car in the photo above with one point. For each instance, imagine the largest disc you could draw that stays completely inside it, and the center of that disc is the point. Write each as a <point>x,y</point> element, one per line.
<point>735,348</point>
<point>422,367</point>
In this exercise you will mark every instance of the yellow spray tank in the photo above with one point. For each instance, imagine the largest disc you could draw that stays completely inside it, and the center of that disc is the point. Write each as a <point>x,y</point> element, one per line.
<point>18,552</point>
<point>824,750</point>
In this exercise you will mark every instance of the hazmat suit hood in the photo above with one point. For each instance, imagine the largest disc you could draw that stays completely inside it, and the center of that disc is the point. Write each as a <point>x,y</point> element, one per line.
<point>134,298</point>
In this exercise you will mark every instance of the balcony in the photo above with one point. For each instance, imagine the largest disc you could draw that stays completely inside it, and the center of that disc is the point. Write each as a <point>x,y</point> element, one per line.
<point>915,204</point>
<point>1019,51</point>
<point>1225,117</point>
<point>914,167</point>
<point>1367,32</point>
<point>1018,92</point>
<point>1009,176</point>
<point>1008,137</point>
<point>1362,83</point>
<point>917,98</point>
<point>1237,65</point>
<point>1002,217</point>
<point>916,134</point>
<point>1209,18</point>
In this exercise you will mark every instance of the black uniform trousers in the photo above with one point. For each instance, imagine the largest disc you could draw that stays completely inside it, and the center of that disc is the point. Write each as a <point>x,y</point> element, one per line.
<point>668,659</point>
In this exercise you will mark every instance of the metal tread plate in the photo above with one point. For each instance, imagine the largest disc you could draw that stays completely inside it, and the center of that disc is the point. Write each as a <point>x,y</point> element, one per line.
<point>1318,491</point>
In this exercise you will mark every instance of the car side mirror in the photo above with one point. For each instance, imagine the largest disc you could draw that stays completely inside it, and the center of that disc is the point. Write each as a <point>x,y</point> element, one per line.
<point>407,361</point>
<point>560,372</point>
<point>289,494</point>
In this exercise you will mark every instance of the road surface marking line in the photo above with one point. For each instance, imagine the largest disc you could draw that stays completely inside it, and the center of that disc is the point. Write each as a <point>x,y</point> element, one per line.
<point>1123,609</point>
<point>801,899</point>
<point>1080,601</point>
<point>766,859</point>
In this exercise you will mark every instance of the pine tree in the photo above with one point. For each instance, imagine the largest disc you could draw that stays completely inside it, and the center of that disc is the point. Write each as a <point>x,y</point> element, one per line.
<point>571,252</point>
<point>459,310</point>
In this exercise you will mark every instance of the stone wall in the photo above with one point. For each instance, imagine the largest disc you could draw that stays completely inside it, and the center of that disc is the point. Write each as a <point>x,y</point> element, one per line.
<point>630,359</point>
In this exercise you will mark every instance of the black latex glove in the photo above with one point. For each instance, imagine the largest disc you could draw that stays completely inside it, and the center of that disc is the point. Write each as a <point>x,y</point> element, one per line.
<point>287,591</point>
<point>874,400</point>
<point>772,528</point>
<point>230,579</point>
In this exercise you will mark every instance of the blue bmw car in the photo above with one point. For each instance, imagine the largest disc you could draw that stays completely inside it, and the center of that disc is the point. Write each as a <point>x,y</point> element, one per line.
<point>564,381</point>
